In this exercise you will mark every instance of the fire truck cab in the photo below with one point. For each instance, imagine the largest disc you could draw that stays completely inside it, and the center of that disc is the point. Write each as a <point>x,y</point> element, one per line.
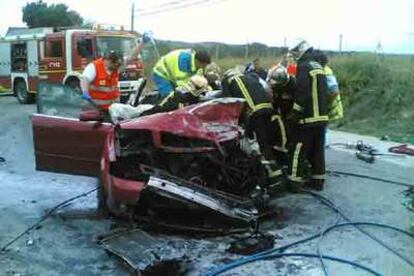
<point>30,55</point>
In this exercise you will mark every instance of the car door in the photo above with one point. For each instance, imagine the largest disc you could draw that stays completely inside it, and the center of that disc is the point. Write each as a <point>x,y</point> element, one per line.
<point>62,142</point>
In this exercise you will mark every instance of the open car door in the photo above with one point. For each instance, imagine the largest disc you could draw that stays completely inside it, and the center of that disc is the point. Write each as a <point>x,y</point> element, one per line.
<point>62,142</point>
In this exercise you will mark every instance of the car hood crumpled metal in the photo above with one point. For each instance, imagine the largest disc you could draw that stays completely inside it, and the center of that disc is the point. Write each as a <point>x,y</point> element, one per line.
<point>215,120</point>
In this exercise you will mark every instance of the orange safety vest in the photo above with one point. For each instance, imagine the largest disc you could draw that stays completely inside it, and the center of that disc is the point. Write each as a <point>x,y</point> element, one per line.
<point>104,88</point>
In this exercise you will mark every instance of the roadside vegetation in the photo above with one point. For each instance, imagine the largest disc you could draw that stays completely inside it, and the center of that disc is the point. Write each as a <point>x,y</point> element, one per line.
<point>378,95</point>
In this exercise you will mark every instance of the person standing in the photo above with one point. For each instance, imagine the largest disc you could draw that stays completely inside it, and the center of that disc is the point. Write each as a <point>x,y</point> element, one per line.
<point>308,120</point>
<point>99,81</point>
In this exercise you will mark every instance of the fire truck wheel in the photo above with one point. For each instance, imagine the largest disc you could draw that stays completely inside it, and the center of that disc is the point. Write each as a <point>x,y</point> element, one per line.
<point>23,96</point>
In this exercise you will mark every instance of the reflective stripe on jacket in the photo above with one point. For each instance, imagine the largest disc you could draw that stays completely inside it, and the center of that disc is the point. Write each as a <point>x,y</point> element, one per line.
<point>104,88</point>
<point>247,87</point>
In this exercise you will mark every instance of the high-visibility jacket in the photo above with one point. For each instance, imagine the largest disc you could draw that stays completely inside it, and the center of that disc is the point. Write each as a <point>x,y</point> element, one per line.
<point>104,88</point>
<point>335,110</point>
<point>177,67</point>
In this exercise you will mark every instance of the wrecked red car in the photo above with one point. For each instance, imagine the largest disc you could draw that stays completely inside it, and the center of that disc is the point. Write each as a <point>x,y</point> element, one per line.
<point>187,159</point>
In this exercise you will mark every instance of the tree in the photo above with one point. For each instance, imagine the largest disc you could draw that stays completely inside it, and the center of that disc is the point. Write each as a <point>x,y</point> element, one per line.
<point>39,14</point>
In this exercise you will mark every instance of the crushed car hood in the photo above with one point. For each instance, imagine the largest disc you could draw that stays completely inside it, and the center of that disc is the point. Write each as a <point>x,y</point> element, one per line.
<point>215,120</point>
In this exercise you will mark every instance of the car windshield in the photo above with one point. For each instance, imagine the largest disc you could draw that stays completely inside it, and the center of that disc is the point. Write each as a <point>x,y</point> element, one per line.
<point>121,45</point>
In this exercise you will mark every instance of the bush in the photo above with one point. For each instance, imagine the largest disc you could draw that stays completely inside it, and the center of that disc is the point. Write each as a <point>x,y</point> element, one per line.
<point>377,94</point>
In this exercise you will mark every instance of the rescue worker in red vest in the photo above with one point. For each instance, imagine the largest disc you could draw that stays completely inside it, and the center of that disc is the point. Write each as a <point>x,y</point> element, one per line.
<point>258,115</point>
<point>175,69</point>
<point>100,80</point>
<point>308,120</point>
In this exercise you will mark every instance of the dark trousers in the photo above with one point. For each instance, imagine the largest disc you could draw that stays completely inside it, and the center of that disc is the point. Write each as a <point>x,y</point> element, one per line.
<point>307,144</point>
<point>260,124</point>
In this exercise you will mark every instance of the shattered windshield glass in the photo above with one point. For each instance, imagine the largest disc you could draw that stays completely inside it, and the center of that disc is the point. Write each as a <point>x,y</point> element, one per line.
<point>121,45</point>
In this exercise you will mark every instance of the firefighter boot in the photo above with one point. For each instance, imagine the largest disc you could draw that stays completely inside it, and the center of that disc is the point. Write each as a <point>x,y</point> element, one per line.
<point>275,178</point>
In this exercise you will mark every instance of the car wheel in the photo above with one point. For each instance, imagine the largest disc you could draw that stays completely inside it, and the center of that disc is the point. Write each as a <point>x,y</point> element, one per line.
<point>23,96</point>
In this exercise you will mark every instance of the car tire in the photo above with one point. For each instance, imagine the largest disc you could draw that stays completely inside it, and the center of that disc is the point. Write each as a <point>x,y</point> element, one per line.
<point>21,93</point>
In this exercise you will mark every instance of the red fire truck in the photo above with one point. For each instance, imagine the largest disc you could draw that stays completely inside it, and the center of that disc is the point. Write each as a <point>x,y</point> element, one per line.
<point>30,55</point>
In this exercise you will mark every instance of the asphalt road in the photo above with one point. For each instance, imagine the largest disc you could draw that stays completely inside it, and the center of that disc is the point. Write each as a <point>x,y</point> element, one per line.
<point>68,246</point>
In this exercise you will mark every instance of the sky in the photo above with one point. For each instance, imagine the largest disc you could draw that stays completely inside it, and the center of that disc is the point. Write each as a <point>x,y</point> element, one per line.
<point>363,23</point>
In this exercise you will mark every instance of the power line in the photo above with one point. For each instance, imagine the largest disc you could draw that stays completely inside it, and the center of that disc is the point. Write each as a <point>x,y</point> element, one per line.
<point>166,4</point>
<point>187,5</point>
<point>175,7</point>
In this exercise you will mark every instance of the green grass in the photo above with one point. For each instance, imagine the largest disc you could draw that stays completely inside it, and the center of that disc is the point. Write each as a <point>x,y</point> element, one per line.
<point>378,95</point>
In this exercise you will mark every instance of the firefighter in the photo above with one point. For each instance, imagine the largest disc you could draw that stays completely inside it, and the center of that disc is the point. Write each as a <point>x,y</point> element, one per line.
<point>282,85</point>
<point>258,115</point>
<point>308,120</point>
<point>256,67</point>
<point>185,95</point>
<point>175,69</point>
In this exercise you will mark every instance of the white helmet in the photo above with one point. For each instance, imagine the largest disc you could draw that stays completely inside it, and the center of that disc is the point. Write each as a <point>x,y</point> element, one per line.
<point>299,49</point>
<point>277,75</point>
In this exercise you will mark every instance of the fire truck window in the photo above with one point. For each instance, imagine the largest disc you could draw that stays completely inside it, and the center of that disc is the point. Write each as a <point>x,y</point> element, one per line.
<point>54,49</point>
<point>19,57</point>
<point>84,47</point>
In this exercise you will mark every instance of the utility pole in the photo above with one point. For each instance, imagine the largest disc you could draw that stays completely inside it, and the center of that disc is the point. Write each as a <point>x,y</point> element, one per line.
<point>340,43</point>
<point>284,42</point>
<point>132,16</point>
<point>217,51</point>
